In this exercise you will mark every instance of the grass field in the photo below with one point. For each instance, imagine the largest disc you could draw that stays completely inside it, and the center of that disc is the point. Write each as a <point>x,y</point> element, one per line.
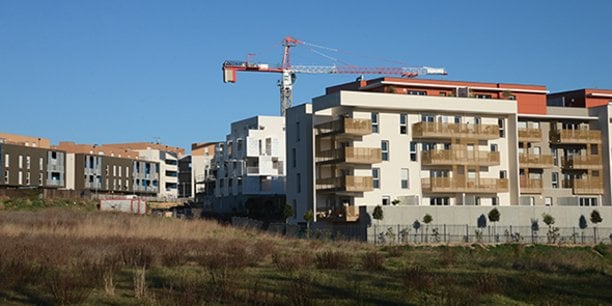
<point>76,256</point>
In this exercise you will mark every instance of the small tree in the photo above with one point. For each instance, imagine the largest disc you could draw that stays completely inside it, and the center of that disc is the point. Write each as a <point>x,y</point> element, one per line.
<point>427,219</point>
<point>553,232</point>
<point>595,218</point>
<point>481,222</point>
<point>308,217</point>
<point>582,224</point>
<point>416,225</point>
<point>287,212</point>
<point>494,216</point>
<point>378,215</point>
<point>535,227</point>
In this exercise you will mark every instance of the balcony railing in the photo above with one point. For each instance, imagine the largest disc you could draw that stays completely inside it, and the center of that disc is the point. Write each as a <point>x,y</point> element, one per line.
<point>459,157</point>
<point>535,161</point>
<point>529,134</point>
<point>346,184</point>
<point>583,162</point>
<point>586,185</point>
<point>463,184</point>
<point>575,136</point>
<point>346,126</point>
<point>454,130</point>
<point>351,155</point>
<point>531,185</point>
<point>346,213</point>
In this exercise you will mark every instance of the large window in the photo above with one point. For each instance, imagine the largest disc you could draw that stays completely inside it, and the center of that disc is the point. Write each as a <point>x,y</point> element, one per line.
<point>439,201</point>
<point>299,182</point>
<point>376,178</point>
<point>384,145</point>
<point>404,178</point>
<point>294,157</point>
<point>374,122</point>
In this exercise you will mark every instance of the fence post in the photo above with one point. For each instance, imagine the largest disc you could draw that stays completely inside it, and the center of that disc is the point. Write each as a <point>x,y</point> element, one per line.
<point>444,232</point>
<point>398,234</point>
<point>574,233</point>
<point>511,233</point>
<point>467,233</point>
<point>595,235</point>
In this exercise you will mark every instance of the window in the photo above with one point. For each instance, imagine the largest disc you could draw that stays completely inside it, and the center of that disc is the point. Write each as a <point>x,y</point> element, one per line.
<point>502,127</point>
<point>20,163</point>
<point>294,157</point>
<point>594,149</point>
<point>442,94</point>
<point>40,179</point>
<point>374,122</point>
<point>114,170</point>
<point>298,180</point>
<point>376,178</point>
<point>403,124</point>
<point>427,118</point>
<point>27,181</point>
<point>239,145</point>
<point>477,120</point>
<point>6,160</point>
<point>494,201</point>
<point>28,162</point>
<point>588,202</point>
<point>297,131</point>
<point>384,145</point>
<point>548,201</point>
<point>404,178</point>
<point>40,164</point>
<point>386,200</point>
<point>439,201</point>
<point>120,175</point>
<point>457,119</point>
<point>20,178</point>
<point>413,151</point>
<point>482,96</point>
<point>555,180</point>
<point>503,174</point>
<point>493,147</point>
<point>417,93</point>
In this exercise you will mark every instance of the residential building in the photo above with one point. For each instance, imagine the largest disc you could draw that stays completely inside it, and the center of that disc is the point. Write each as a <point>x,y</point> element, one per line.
<point>166,156</point>
<point>202,155</point>
<point>100,169</point>
<point>249,166</point>
<point>185,173</point>
<point>392,141</point>
<point>30,162</point>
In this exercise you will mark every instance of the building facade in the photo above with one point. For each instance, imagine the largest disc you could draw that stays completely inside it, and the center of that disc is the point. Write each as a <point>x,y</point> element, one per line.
<point>394,141</point>
<point>202,155</point>
<point>31,167</point>
<point>250,164</point>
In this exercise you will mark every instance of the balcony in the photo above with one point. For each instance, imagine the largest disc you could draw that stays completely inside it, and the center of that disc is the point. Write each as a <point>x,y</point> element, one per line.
<point>345,126</point>
<point>346,184</point>
<point>459,157</point>
<point>454,130</point>
<point>583,162</point>
<point>535,161</point>
<point>464,185</point>
<point>530,135</point>
<point>575,136</point>
<point>531,185</point>
<point>585,185</point>
<point>351,155</point>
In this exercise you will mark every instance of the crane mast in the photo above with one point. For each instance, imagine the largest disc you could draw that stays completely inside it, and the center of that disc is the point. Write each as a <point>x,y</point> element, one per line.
<point>285,84</point>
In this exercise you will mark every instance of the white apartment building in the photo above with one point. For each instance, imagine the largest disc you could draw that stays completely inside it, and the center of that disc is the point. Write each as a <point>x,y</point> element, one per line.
<point>168,170</point>
<point>250,164</point>
<point>416,142</point>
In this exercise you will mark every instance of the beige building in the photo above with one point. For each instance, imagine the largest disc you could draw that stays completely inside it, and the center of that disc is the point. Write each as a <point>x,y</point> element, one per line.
<point>394,141</point>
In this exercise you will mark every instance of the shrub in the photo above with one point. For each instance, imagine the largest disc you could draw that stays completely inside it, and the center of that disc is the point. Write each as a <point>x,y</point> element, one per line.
<point>333,260</point>
<point>416,278</point>
<point>373,261</point>
<point>292,262</point>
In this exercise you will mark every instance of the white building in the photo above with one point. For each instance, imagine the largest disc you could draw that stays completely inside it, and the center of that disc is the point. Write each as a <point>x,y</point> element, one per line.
<point>250,164</point>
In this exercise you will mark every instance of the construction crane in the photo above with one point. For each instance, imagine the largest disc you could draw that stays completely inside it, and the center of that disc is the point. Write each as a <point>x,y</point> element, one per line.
<point>288,71</point>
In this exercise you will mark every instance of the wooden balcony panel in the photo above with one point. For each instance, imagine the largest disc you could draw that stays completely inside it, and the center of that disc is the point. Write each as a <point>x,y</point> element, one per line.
<point>459,157</point>
<point>345,126</point>
<point>589,185</point>
<point>575,136</point>
<point>454,130</point>
<point>461,184</point>
<point>535,161</point>
<point>531,186</point>
<point>346,184</point>
<point>593,162</point>
<point>528,134</point>
<point>351,155</point>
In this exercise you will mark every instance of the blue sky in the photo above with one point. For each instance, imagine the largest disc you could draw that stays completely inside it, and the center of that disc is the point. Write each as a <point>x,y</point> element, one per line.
<point>119,71</point>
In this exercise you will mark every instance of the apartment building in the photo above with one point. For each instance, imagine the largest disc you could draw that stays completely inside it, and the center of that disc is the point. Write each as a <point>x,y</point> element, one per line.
<point>202,155</point>
<point>30,162</point>
<point>250,164</point>
<point>393,141</point>
<point>166,156</point>
<point>99,169</point>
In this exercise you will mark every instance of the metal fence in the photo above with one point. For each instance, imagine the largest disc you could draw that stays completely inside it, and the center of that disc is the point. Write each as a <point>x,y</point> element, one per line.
<point>445,233</point>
